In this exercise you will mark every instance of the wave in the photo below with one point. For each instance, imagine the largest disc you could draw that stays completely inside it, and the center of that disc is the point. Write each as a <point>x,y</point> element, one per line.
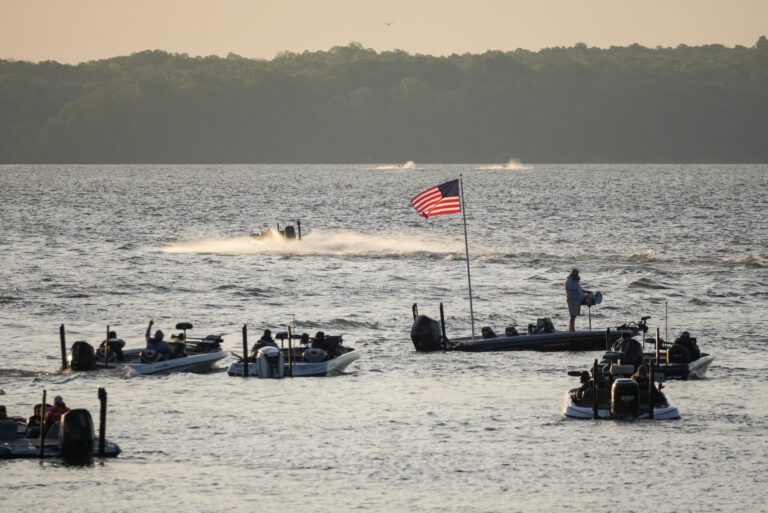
<point>747,261</point>
<point>646,255</point>
<point>512,165</point>
<point>406,165</point>
<point>322,242</point>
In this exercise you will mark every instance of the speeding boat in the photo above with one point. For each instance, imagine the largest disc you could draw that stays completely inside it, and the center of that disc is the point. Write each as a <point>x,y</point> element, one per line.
<point>611,391</point>
<point>188,354</point>
<point>296,360</point>
<point>428,335</point>
<point>72,439</point>
<point>288,233</point>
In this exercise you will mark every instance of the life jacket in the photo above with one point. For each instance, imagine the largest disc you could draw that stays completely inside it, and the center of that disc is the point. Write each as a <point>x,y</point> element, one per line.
<point>54,415</point>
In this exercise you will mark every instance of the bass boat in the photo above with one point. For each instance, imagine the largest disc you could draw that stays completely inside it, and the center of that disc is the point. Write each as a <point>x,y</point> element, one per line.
<point>681,359</point>
<point>612,391</point>
<point>428,335</point>
<point>188,354</point>
<point>300,360</point>
<point>72,439</point>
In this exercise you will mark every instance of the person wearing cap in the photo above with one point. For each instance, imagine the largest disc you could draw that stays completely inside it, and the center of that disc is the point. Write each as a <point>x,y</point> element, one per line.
<point>115,345</point>
<point>265,340</point>
<point>319,341</point>
<point>54,414</point>
<point>690,344</point>
<point>156,343</point>
<point>3,412</point>
<point>574,295</point>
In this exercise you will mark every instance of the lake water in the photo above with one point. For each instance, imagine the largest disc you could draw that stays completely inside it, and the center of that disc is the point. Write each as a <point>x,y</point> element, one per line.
<point>91,246</point>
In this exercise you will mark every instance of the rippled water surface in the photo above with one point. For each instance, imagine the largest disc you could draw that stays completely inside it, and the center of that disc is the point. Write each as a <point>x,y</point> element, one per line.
<point>91,246</point>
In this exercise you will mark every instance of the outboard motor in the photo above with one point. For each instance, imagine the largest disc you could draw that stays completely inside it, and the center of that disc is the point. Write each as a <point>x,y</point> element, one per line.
<point>76,437</point>
<point>82,357</point>
<point>625,399</point>
<point>425,334</point>
<point>270,363</point>
<point>289,232</point>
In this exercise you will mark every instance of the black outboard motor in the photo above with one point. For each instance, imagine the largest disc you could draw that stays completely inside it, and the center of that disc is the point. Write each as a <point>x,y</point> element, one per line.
<point>625,399</point>
<point>82,357</point>
<point>425,334</point>
<point>289,232</point>
<point>76,437</point>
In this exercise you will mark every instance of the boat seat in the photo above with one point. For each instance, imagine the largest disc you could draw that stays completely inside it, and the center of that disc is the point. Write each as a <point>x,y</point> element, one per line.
<point>8,430</point>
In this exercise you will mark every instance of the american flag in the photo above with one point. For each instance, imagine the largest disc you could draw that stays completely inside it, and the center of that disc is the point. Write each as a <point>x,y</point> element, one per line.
<point>439,200</point>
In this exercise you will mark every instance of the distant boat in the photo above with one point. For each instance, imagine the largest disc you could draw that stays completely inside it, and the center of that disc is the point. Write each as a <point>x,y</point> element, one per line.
<point>297,360</point>
<point>427,336</point>
<point>189,355</point>
<point>288,233</point>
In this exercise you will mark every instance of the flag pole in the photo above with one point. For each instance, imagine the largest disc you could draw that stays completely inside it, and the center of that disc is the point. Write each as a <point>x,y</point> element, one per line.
<point>466,247</point>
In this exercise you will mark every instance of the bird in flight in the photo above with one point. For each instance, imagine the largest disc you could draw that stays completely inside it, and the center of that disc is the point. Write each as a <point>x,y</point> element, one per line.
<point>389,23</point>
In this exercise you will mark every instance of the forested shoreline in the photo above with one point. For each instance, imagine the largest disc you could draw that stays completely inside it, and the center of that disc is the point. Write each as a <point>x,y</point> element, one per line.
<point>355,105</point>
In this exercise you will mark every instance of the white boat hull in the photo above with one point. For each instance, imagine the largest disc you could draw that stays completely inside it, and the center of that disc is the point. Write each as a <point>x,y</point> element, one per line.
<point>572,411</point>
<point>699,368</point>
<point>300,369</point>
<point>198,363</point>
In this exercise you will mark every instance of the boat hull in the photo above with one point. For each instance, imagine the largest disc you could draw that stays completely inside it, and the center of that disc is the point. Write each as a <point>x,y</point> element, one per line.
<point>558,341</point>
<point>30,448</point>
<point>198,363</point>
<point>570,410</point>
<point>302,369</point>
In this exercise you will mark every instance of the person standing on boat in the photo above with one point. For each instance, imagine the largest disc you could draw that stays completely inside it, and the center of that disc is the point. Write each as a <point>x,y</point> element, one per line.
<point>156,343</point>
<point>574,295</point>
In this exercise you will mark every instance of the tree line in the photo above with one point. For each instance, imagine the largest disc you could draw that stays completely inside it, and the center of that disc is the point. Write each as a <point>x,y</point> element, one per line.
<point>353,104</point>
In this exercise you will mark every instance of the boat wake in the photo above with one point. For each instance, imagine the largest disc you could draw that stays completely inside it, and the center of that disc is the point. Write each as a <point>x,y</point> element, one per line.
<point>512,165</point>
<point>406,165</point>
<point>322,242</point>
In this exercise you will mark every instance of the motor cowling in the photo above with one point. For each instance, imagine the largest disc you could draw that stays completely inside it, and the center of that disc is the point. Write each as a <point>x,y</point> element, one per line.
<point>82,357</point>
<point>270,362</point>
<point>425,334</point>
<point>289,232</point>
<point>76,436</point>
<point>625,399</point>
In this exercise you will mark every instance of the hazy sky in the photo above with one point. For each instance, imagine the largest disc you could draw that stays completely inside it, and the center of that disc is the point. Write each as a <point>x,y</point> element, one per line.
<point>80,30</point>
